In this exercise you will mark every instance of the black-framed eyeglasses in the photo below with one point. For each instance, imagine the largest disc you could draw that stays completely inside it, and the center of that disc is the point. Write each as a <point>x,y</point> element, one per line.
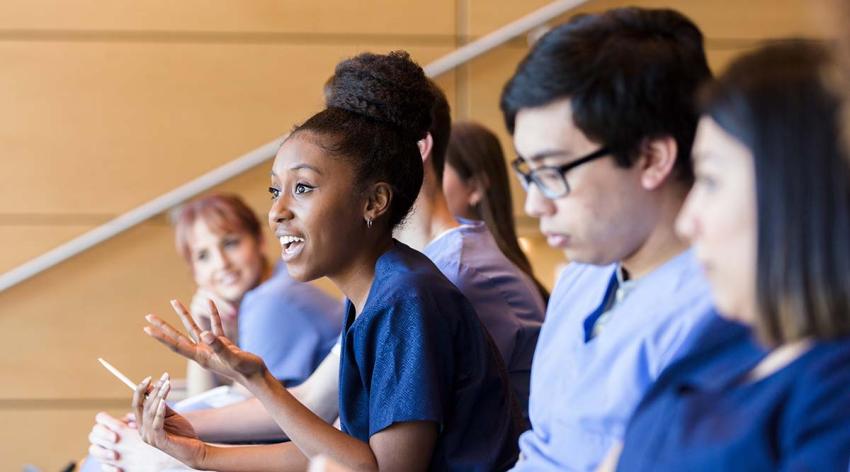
<point>552,180</point>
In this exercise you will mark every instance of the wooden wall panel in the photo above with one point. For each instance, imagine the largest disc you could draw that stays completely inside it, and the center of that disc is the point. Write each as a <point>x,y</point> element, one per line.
<point>55,326</point>
<point>20,243</point>
<point>105,126</point>
<point>731,19</point>
<point>49,439</point>
<point>378,17</point>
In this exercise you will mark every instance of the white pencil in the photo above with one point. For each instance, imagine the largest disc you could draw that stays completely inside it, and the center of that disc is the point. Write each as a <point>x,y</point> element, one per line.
<point>117,373</point>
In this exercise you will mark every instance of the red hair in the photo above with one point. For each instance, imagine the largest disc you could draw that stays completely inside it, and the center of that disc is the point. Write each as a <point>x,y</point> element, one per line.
<point>224,213</point>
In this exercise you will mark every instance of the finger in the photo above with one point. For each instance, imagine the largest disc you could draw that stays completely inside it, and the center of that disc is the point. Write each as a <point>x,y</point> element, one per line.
<point>129,419</point>
<point>103,436</point>
<point>102,454</point>
<point>215,319</point>
<point>110,468</point>
<point>150,404</point>
<point>165,327</point>
<point>157,423</point>
<point>218,344</point>
<point>159,417</point>
<point>186,318</point>
<point>139,396</point>
<point>109,421</point>
<point>172,339</point>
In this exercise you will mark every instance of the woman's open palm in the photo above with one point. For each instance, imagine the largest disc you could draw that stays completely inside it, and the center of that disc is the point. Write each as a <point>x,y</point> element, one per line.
<point>212,350</point>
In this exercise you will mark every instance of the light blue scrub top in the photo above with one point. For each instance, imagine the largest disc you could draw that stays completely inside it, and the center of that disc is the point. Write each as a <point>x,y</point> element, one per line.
<point>583,392</point>
<point>291,325</point>
<point>506,300</point>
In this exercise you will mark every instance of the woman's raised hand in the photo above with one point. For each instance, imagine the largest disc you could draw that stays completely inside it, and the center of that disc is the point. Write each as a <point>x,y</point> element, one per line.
<point>163,428</point>
<point>212,350</point>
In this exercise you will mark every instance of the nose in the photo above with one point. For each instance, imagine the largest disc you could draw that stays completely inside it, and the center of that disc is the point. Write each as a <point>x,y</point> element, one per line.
<point>536,205</point>
<point>279,211</point>
<point>220,258</point>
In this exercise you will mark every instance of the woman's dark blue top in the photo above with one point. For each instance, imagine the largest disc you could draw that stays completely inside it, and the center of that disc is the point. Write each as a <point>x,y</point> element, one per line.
<point>418,352</point>
<point>703,415</point>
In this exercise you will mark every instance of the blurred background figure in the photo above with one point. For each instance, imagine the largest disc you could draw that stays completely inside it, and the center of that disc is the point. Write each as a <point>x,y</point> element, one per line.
<point>769,217</point>
<point>475,182</point>
<point>291,325</point>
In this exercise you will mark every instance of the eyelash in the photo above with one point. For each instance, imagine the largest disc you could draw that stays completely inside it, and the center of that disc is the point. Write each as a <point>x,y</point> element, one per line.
<point>307,188</point>
<point>299,189</point>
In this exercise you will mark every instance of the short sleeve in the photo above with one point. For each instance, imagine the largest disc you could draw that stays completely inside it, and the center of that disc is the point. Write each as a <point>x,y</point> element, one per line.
<point>817,426</point>
<point>411,379</point>
<point>283,335</point>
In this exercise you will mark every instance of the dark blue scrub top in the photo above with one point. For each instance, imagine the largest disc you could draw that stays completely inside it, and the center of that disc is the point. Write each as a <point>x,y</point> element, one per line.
<point>701,415</point>
<point>418,352</point>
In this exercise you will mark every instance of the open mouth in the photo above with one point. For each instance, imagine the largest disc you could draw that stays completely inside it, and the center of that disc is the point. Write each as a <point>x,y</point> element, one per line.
<point>291,245</point>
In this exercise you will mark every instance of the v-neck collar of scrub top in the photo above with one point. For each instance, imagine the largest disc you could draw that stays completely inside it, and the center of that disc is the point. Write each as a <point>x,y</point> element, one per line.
<point>642,292</point>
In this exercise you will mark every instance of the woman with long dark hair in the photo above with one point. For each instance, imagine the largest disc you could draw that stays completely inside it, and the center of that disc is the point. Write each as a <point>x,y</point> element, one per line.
<point>769,218</point>
<point>476,184</point>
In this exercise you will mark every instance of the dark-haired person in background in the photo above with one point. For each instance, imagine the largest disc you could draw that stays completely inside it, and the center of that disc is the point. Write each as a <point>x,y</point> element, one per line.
<point>602,117</point>
<point>769,217</point>
<point>475,182</point>
<point>422,385</point>
<point>505,298</point>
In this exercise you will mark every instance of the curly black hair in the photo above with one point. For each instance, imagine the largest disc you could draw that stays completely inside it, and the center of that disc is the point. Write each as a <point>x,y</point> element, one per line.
<point>378,107</point>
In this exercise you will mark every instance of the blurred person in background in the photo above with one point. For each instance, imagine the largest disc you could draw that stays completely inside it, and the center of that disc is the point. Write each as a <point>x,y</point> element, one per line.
<point>769,219</point>
<point>475,182</point>
<point>292,325</point>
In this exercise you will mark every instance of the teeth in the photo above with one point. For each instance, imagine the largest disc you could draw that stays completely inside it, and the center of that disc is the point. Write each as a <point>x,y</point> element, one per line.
<point>228,279</point>
<point>284,240</point>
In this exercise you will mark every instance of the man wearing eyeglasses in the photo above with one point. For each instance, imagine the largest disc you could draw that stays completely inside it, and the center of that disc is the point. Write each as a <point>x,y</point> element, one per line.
<point>602,116</point>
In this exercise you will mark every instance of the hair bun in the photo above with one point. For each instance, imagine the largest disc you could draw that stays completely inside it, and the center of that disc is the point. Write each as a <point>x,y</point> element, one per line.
<point>389,88</point>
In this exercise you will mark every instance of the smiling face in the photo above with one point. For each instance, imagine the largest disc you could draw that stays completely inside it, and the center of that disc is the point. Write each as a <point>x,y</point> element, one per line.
<point>227,263</point>
<point>605,216</point>
<point>317,209</point>
<point>719,218</point>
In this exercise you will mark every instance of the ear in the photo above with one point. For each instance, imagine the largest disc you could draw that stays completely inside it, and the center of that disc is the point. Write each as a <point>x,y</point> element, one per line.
<point>476,186</point>
<point>426,144</point>
<point>658,159</point>
<point>378,198</point>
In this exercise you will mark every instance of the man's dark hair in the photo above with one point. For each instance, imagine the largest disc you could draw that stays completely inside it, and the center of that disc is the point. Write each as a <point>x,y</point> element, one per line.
<point>629,73</point>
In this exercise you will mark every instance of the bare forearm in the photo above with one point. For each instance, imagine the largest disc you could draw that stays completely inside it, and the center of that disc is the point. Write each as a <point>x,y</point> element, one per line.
<point>247,420</point>
<point>276,457</point>
<point>310,433</point>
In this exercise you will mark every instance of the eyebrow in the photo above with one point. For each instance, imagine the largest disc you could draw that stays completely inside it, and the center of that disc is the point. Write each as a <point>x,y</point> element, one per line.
<point>299,167</point>
<point>545,154</point>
